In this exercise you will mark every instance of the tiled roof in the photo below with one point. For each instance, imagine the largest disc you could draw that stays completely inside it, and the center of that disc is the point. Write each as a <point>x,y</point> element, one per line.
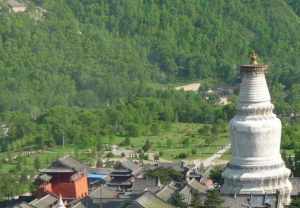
<point>56,170</point>
<point>129,164</point>
<point>23,205</point>
<point>45,177</point>
<point>69,162</point>
<point>194,184</point>
<point>172,165</point>
<point>104,193</point>
<point>149,200</point>
<point>186,192</point>
<point>167,192</point>
<point>141,184</point>
<point>45,202</point>
<point>79,205</point>
<point>101,171</point>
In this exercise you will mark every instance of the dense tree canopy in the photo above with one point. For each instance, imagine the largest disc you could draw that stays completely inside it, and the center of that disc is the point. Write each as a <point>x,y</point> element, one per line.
<point>90,53</point>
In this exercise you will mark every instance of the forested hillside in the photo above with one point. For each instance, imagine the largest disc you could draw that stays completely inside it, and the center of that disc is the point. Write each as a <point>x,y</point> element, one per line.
<point>79,74</point>
<point>86,53</point>
<point>108,62</point>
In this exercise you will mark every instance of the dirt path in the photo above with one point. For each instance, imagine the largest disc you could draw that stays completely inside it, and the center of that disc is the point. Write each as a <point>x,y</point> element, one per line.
<point>193,87</point>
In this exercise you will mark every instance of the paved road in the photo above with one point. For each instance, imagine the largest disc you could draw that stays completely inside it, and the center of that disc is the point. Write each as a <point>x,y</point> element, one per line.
<point>208,163</point>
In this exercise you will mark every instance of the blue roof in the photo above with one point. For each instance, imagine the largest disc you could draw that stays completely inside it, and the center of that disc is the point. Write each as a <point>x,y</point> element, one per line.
<point>96,176</point>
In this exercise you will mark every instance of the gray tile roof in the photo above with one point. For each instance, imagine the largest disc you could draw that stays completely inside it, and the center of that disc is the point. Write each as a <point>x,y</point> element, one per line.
<point>172,165</point>
<point>69,162</point>
<point>129,164</point>
<point>104,193</point>
<point>197,186</point>
<point>109,203</point>
<point>149,200</point>
<point>191,186</point>
<point>142,184</point>
<point>46,201</point>
<point>167,192</point>
<point>23,205</point>
<point>186,192</point>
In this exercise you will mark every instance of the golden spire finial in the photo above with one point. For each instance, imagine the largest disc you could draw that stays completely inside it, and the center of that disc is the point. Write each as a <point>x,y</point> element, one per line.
<point>253,58</point>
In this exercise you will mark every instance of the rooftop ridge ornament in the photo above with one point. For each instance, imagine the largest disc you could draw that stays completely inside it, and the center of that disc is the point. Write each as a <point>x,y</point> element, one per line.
<point>253,66</point>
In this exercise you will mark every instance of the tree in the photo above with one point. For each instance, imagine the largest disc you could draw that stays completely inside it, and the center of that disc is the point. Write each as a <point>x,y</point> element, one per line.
<point>37,163</point>
<point>213,200</point>
<point>166,175</point>
<point>147,145</point>
<point>178,200</point>
<point>196,201</point>
<point>125,142</point>
<point>295,203</point>
<point>216,175</point>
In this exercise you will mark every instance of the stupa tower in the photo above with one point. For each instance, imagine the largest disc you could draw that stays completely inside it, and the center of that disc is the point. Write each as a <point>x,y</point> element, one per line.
<point>256,166</point>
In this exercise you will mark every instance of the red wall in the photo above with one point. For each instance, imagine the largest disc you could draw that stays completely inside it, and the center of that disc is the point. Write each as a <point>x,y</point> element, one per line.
<point>72,189</point>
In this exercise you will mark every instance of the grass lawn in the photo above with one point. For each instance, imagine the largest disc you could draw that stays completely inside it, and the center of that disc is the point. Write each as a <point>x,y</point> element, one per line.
<point>181,138</point>
<point>178,138</point>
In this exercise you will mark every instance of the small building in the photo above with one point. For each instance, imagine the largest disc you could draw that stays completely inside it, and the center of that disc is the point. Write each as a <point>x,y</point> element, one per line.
<point>194,186</point>
<point>67,177</point>
<point>122,152</point>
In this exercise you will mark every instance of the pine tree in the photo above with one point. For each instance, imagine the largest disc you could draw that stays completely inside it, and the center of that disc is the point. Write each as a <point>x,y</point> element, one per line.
<point>178,200</point>
<point>295,203</point>
<point>213,200</point>
<point>37,163</point>
<point>196,200</point>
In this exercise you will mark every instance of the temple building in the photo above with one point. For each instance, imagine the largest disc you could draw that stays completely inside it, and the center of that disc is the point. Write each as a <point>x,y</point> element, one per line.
<point>66,177</point>
<point>121,179</point>
<point>256,166</point>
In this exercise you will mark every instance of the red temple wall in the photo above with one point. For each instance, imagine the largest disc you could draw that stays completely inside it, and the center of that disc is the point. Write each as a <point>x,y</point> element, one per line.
<point>72,189</point>
<point>81,187</point>
<point>67,190</point>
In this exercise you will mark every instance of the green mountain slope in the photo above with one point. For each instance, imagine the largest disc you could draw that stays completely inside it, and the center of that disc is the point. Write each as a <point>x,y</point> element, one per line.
<point>295,5</point>
<point>86,53</point>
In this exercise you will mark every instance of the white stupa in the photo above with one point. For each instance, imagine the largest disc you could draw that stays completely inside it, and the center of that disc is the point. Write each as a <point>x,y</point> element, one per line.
<point>60,203</point>
<point>256,166</point>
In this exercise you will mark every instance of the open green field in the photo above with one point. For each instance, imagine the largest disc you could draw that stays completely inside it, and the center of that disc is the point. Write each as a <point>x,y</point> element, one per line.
<point>195,140</point>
